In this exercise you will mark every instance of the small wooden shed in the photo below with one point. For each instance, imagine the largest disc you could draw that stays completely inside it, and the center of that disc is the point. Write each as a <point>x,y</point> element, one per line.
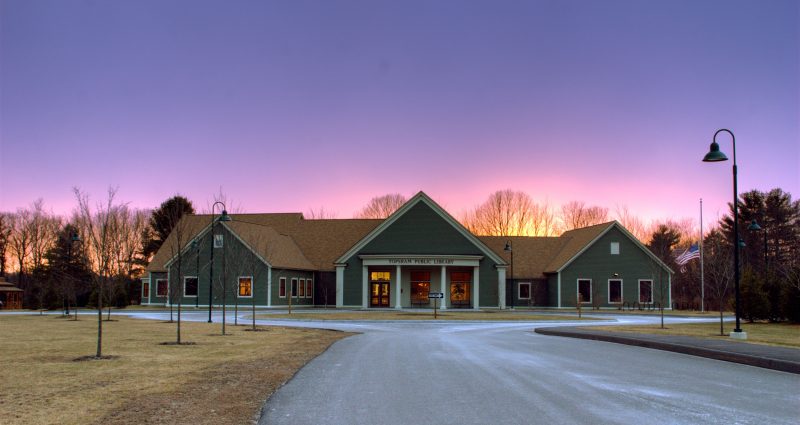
<point>10,296</point>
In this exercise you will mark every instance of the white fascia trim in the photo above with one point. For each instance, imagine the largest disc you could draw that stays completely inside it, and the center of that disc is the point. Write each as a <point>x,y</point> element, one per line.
<point>419,197</point>
<point>250,248</point>
<point>624,232</point>
<point>559,289</point>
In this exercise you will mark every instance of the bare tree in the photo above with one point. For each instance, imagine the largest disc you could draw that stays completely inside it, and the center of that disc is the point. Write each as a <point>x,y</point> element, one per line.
<point>97,230</point>
<point>575,214</point>
<point>504,213</point>
<point>719,273</point>
<point>320,214</point>
<point>5,235</point>
<point>177,243</point>
<point>632,223</point>
<point>382,206</point>
<point>543,220</point>
<point>20,242</point>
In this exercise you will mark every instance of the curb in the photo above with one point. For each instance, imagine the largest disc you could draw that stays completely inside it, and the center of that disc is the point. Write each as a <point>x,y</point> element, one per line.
<point>728,356</point>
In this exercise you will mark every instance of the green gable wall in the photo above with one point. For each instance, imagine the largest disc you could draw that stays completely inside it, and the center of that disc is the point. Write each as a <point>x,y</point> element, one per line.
<point>420,231</point>
<point>597,264</point>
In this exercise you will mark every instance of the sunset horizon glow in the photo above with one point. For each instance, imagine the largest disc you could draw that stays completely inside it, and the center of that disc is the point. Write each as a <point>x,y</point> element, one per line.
<point>288,107</point>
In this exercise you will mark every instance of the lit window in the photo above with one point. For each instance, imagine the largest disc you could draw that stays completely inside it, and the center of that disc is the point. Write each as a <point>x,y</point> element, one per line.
<point>585,290</point>
<point>459,288</point>
<point>524,291</point>
<point>189,286</point>
<point>245,286</point>
<point>282,288</point>
<point>420,286</point>
<point>146,288</point>
<point>646,291</point>
<point>302,288</point>
<point>309,285</point>
<point>161,288</point>
<point>614,248</point>
<point>379,276</point>
<point>615,291</point>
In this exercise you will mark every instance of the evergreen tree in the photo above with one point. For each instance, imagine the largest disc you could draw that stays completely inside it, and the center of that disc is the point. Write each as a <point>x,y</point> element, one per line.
<point>162,221</point>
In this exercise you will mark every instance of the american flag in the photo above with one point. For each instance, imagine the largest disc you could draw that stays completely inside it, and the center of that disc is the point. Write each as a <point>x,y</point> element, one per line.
<point>690,254</point>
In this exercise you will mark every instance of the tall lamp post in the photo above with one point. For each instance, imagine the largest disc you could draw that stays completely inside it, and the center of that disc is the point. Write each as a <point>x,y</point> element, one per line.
<point>714,155</point>
<point>73,237</point>
<point>223,217</point>
<point>510,249</point>
<point>196,249</point>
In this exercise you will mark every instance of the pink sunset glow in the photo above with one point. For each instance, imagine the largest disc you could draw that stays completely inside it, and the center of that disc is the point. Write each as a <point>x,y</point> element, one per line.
<point>301,105</point>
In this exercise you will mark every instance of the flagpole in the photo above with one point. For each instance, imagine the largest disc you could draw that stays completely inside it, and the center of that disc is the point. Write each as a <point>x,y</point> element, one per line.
<point>702,276</point>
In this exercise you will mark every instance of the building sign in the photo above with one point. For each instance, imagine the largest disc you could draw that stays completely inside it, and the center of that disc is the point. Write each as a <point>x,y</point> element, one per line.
<point>412,260</point>
<point>422,261</point>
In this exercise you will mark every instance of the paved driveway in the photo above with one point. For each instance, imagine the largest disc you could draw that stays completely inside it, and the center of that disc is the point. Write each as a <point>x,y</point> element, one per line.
<point>502,373</point>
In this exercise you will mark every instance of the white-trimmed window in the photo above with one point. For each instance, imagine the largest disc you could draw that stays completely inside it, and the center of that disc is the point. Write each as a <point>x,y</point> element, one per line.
<point>218,241</point>
<point>524,291</point>
<point>645,291</point>
<point>309,288</point>
<point>245,287</point>
<point>190,284</point>
<point>614,248</point>
<point>145,288</point>
<point>294,287</point>
<point>302,288</point>
<point>282,288</point>
<point>585,290</point>
<point>615,291</point>
<point>162,288</point>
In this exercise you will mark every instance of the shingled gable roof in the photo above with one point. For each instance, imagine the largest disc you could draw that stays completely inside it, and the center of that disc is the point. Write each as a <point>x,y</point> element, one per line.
<point>420,197</point>
<point>579,240</point>
<point>531,254</point>
<point>299,243</point>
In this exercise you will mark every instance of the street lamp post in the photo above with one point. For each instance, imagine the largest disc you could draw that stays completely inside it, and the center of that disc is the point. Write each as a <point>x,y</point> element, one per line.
<point>714,155</point>
<point>510,249</point>
<point>223,217</point>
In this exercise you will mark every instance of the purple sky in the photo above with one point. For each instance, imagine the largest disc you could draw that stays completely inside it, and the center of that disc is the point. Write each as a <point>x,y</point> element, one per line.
<point>291,105</point>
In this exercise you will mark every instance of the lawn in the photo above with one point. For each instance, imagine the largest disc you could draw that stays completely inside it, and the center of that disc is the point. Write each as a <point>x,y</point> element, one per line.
<point>780,334</point>
<point>217,380</point>
<point>418,315</point>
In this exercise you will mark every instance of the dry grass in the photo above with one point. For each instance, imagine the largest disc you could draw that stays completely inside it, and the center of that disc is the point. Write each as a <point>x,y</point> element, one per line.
<point>410,315</point>
<point>780,334</point>
<point>218,380</point>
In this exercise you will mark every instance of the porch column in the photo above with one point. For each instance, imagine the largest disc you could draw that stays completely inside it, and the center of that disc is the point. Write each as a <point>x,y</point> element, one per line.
<point>476,288</point>
<point>365,286</point>
<point>339,286</point>
<point>501,286</point>
<point>443,279</point>
<point>397,298</point>
<point>269,286</point>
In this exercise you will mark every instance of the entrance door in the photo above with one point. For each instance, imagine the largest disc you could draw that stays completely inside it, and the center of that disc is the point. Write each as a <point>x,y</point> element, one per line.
<point>379,289</point>
<point>459,289</point>
<point>380,294</point>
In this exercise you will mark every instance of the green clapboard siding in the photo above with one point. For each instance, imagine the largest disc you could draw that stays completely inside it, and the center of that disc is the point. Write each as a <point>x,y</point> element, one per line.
<point>597,264</point>
<point>420,231</point>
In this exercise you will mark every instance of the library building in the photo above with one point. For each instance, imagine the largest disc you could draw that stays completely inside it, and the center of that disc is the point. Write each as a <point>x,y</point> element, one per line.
<point>272,260</point>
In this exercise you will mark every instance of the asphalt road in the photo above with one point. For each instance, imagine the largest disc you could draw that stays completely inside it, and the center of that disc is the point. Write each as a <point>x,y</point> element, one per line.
<point>502,373</point>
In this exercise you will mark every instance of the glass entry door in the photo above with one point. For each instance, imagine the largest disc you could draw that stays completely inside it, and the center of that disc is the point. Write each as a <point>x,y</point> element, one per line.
<point>379,289</point>
<point>460,289</point>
